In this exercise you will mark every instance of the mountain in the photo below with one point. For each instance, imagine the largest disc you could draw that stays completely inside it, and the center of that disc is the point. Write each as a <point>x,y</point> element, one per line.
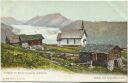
<point>50,20</point>
<point>10,21</point>
<point>102,32</point>
<point>5,31</point>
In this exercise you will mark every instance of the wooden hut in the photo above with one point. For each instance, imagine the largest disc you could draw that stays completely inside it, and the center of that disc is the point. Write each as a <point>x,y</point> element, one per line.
<point>101,55</point>
<point>32,41</point>
<point>27,41</point>
<point>13,40</point>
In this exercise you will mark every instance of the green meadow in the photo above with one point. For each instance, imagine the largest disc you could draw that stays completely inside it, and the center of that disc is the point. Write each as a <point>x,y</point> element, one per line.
<point>18,57</point>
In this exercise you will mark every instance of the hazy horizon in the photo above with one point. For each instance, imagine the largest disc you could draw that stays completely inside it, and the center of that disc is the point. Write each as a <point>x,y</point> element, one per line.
<point>74,10</point>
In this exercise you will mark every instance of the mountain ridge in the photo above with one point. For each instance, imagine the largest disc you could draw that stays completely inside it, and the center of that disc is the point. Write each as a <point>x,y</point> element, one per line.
<point>49,20</point>
<point>10,21</point>
<point>6,30</point>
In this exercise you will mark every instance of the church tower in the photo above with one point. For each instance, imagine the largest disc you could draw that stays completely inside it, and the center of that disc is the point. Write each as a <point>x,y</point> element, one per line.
<point>84,37</point>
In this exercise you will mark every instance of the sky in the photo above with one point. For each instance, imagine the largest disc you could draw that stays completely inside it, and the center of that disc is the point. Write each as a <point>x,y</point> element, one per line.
<point>75,10</point>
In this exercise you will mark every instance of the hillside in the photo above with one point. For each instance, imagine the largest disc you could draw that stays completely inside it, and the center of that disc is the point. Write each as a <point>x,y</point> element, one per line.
<point>10,21</point>
<point>103,32</point>
<point>5,31</point>
<point>17,57</point>
<point>50,20</point>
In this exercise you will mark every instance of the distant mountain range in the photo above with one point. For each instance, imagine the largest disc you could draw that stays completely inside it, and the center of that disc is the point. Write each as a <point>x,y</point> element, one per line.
<point>50,20</point>
<point>10,21</point>
<point>102,32</point>
<point>5,31</point>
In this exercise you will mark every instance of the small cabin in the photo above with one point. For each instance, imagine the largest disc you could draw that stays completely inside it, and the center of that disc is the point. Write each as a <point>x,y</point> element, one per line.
<point>13,40</point>
<point>101,55</point>
<point>32,41</point>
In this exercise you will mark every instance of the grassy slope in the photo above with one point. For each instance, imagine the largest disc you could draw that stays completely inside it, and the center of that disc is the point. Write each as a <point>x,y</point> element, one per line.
<point>48,59</point>
<point>124,54</point>
<point>18,57</point>
<point>124,57</point>
<point>65,49</point>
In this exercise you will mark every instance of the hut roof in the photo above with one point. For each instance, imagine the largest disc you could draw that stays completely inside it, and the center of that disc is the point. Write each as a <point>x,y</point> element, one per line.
<point>89,48</point>
<point>74,33</point>
<point>13,39</point>
<point>31,37</point>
